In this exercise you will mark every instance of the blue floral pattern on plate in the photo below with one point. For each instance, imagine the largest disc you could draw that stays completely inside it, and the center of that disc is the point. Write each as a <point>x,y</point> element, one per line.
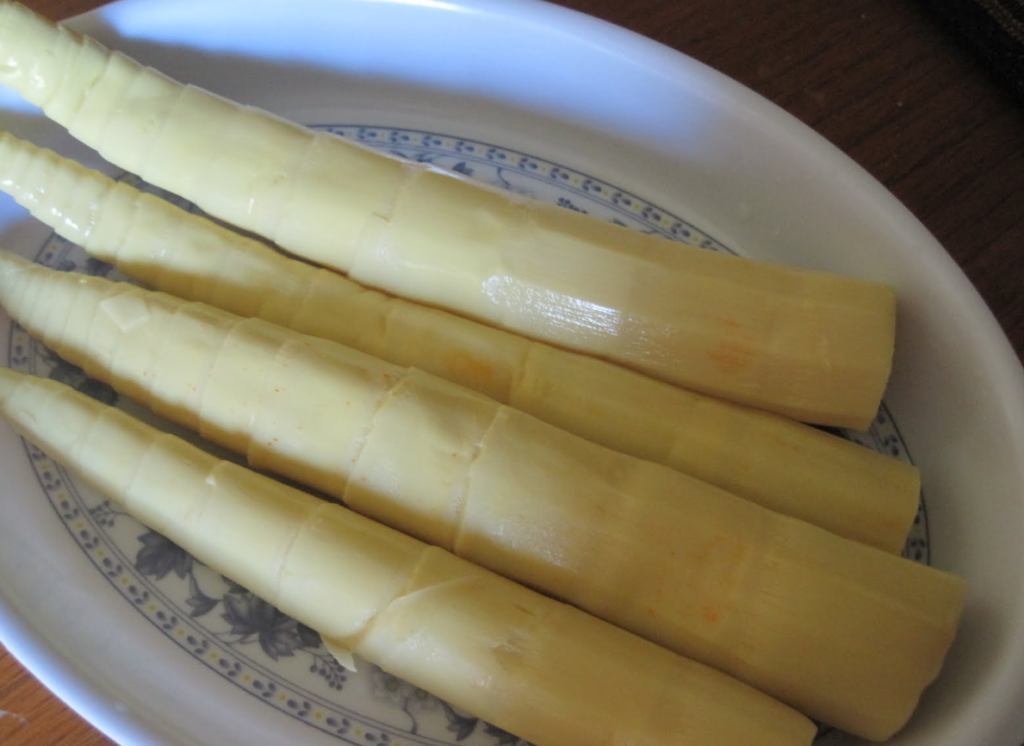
<point>239,636</point>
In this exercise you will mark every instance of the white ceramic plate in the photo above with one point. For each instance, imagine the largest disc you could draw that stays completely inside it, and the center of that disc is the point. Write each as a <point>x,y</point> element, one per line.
<point>154,649</point>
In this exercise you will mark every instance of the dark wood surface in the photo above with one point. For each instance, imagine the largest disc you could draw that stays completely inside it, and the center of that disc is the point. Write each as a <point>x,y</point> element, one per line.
<point>878,78</point>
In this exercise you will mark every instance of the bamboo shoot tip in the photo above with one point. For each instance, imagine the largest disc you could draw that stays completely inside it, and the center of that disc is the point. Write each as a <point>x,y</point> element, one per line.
<point>9,381</point>
<point>11,263</point>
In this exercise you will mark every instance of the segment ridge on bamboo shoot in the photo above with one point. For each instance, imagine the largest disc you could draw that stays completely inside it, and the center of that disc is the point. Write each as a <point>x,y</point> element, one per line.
<point>532,666</point>
<point>809,345</point>
<point>709,575</point>
<point>784,465</point>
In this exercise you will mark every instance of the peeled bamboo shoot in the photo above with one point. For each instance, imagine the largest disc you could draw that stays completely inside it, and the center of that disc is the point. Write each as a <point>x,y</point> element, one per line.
<point>535,667</point>
<point>781,464</point>
<point>709,575</point>
<point>808,345</point>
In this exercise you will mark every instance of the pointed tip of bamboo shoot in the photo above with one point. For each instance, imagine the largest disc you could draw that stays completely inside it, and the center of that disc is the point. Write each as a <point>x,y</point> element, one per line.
<point>10,265</point>
<point>9,381</point>
<point>10,148</point>
<point>11,262</point>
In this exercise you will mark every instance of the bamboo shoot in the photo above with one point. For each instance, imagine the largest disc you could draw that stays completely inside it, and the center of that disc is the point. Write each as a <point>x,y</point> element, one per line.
<point>809,345</point>
<point>535,667</point>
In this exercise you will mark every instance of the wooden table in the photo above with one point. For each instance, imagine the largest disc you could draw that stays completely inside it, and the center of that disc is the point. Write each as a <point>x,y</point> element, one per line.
<point>876,77</point>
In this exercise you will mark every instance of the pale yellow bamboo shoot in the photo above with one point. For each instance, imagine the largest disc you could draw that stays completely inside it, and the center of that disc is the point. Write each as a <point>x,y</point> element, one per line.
<point>535,667</point>
<point>809,345</point>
